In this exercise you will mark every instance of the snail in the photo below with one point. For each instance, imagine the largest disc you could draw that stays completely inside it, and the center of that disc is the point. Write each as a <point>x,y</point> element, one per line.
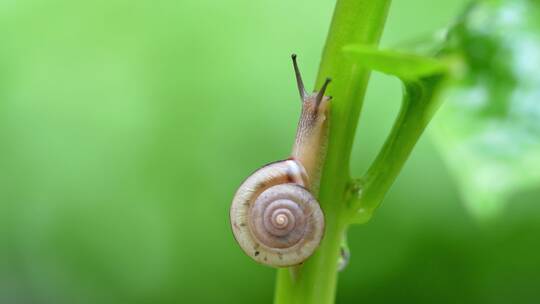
<point>274,215</point>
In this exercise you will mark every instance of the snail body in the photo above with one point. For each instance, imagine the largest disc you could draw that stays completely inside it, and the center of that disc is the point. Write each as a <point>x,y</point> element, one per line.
<point>274,215</point>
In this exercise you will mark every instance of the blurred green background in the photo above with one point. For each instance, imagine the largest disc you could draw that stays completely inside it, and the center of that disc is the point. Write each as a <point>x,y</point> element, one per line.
<point>126,126</point>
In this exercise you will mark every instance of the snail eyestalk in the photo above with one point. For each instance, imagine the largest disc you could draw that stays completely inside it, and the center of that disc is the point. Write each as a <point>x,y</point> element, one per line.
<point>299,81</point>
<point>320,95</point>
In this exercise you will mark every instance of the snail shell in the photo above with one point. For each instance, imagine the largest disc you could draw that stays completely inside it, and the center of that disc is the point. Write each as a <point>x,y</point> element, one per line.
<point>274,218</point>
<point>274,215</point>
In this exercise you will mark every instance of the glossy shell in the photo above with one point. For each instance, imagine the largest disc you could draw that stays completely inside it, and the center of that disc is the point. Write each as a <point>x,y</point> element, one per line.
<point>274,218</point>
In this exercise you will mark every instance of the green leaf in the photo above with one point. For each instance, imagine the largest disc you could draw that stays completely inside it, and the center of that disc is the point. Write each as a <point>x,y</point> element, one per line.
<point>406,66</point>
<point>488,128</point>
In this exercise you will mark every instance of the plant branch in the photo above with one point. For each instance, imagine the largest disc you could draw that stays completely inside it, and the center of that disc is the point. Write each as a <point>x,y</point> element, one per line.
<point>422,77</point>
<point>419,105</point>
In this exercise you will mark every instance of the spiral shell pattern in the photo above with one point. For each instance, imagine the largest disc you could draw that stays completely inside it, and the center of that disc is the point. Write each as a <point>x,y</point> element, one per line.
<point>275,219</point>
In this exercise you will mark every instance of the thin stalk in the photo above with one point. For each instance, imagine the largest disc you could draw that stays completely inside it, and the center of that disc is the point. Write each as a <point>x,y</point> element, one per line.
<point>419,105</point>
<point>354,22</point>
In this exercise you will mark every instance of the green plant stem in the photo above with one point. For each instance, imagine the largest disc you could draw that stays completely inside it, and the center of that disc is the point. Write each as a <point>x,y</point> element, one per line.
<point>419,105</point>
<point>354,22</point>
